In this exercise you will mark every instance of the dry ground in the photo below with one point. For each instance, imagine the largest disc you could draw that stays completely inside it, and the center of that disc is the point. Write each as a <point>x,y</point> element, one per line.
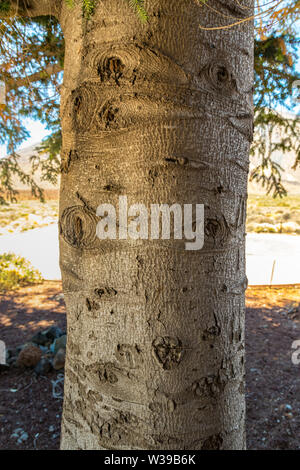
<point>268,215</point>
<point>273,382</point>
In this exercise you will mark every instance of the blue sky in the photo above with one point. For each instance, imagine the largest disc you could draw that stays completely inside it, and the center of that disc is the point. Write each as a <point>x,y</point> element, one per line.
<point>37,133</point>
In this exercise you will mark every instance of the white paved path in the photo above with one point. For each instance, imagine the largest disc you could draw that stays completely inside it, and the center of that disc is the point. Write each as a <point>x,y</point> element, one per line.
<point>268,250</point>
<point>39,246</point>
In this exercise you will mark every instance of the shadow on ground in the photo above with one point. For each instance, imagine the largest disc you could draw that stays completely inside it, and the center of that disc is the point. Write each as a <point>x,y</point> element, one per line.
<point>29,405</point>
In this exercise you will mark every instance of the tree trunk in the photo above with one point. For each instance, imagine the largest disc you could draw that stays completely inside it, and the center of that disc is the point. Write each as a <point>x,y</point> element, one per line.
<point>160,113</point>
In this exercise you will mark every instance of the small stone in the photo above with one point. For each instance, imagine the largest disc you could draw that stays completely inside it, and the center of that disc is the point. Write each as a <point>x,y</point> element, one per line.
<point>12,361</point>
<point>41,339</point>
<point>23,346</point>
<point>10,353</point>
<point>29,356</point>
<point>19,348</point>
<point>60,343</point>
<point>53,332</point>
<point>20,435</point>
<point>59,297</point>
<point>59,359</point>
<point>43,367</point>
<point>17,431</point>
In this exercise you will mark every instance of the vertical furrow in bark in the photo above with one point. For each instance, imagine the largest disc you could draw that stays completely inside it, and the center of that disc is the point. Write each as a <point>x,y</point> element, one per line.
<point>160,113</point>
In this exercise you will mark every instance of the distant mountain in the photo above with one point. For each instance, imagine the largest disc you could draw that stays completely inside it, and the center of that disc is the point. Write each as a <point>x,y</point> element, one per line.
<point>25,163</point>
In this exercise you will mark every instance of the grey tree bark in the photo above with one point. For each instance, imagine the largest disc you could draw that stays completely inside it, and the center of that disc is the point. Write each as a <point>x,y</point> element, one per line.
<point>161,113</point>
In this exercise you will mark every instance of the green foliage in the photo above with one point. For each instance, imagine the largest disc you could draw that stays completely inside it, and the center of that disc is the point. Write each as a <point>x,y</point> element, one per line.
<point>16,271</point>
<point>274,67</point>
<point>9,167</point>
<point>29,46</point>
<point>4,6</point>
<point>70,3</point>
<point>139,7</point>
<point>88,7</point>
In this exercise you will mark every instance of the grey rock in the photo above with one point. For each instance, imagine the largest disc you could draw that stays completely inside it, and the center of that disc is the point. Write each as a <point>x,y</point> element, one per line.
<point>60,343</point>
<point>29,356</point>
<point>59,297</point>
<point>41,339</point>
<point>20,435</point>
<point>53,332</point>
<point>59,359</point>
<point>11,353</point>
<point>43,367</point>
<point>11,361</point>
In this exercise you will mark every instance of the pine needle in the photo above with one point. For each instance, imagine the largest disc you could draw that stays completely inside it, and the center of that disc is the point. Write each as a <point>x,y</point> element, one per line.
<point>139,8</point>
<point>88,7</point>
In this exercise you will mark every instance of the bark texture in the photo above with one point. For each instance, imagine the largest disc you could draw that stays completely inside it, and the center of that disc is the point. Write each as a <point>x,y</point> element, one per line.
<point>161,113</point>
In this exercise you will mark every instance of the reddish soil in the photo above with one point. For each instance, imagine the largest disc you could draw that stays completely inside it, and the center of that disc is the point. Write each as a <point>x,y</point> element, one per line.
<point>26,401</point>
<point>273,382</point>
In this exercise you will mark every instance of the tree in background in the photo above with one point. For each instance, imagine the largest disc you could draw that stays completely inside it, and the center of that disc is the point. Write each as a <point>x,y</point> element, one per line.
<point>276,47</point>
<point>32,58</point>
<point>31,64</point>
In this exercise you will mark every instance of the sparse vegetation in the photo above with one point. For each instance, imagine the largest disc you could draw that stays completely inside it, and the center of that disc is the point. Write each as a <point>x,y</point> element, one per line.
<point>269,215</point>
<point>16,271</point>
<point>26,215</point>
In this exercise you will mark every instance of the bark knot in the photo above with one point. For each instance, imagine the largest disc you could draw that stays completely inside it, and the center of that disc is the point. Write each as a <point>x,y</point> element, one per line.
<point>111,68</point>
<point>168,350</point>
<point>78,227</point>
<point>219,77</point>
